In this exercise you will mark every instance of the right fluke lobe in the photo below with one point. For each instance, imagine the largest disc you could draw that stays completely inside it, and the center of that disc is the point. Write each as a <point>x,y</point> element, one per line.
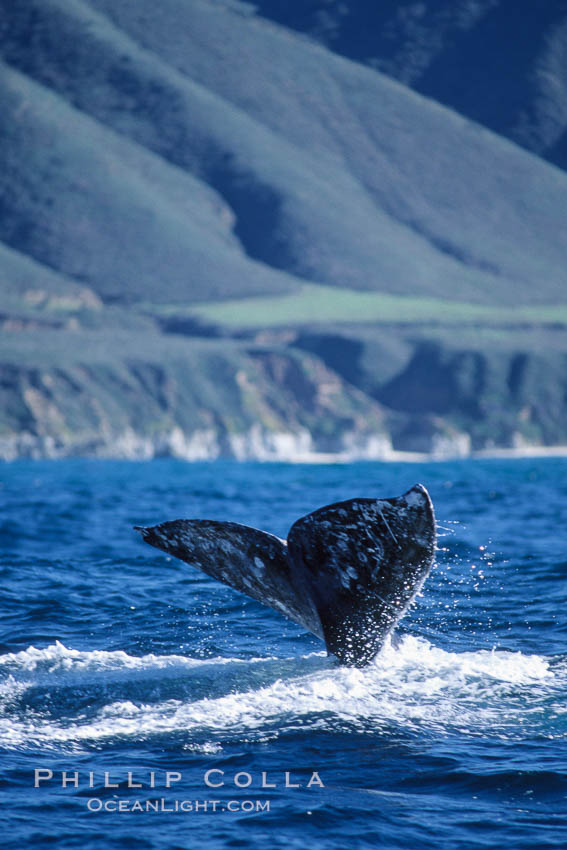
<point>363,561</point>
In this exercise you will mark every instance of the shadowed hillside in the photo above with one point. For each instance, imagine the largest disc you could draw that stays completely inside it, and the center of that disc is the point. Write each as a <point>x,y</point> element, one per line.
<point>502,63</point>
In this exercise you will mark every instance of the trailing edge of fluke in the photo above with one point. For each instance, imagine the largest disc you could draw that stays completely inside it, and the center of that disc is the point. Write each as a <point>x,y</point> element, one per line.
<point>347,572</point>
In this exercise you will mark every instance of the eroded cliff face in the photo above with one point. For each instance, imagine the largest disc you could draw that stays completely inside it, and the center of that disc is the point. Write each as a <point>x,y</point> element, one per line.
<point>504,397</point>
<point>363,393</point>
<point>200,400</point>
<point>449,391</point>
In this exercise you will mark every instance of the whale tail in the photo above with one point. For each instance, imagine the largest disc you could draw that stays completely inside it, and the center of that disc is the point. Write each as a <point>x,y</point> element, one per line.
<point>347,572</point>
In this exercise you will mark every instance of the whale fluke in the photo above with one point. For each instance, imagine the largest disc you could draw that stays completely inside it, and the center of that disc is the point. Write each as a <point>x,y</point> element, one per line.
<point>346,573</point>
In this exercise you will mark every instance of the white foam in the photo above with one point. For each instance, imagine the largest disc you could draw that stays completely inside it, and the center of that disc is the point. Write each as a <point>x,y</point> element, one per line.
<point>58,658</point>
<point>417,686</point>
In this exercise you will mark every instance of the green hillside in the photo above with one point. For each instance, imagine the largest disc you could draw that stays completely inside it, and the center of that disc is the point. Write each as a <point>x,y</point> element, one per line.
<point>315,305</point>
<point>324,169</point>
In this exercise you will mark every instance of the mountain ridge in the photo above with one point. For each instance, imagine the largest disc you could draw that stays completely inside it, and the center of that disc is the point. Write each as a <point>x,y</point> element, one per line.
<point>400,224</point>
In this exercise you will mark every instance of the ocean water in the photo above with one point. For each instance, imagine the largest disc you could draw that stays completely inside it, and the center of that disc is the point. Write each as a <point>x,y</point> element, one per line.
<point>123,672</point>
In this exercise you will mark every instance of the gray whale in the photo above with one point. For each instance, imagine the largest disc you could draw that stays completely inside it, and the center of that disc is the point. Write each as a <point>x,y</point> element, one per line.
<point>347,572</point>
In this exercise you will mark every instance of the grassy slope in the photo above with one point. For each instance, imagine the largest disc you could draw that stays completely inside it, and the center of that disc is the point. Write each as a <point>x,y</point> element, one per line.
<point>316,305</point>
<point>456,212</point>
<point>81,199</point>
<point>26,284</point>
<point>333,173</point>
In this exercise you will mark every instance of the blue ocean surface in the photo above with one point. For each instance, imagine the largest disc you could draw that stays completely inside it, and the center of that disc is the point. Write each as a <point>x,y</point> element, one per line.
<point>123,672</point>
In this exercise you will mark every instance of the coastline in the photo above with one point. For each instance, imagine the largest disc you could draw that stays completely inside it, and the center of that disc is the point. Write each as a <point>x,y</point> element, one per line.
<point>521,452</point>
<point>255,445</point>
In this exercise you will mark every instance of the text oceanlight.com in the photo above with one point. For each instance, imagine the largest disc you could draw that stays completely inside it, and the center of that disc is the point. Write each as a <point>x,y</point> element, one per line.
<point>95,804</point>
